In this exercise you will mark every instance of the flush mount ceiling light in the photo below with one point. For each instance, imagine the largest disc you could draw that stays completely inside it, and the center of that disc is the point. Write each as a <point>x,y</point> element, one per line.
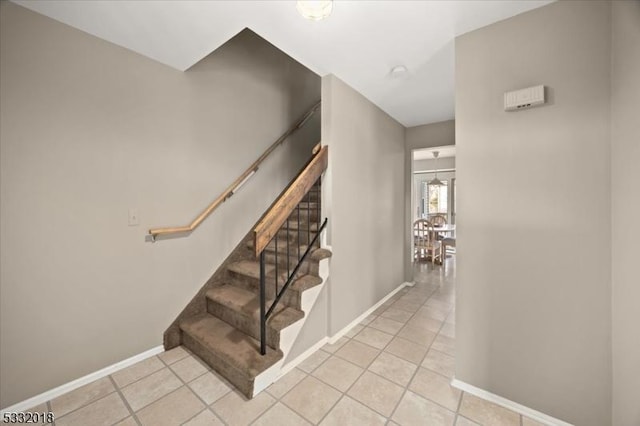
<point>435,181</point>
<point>398,71</point>
<point>315,9</point>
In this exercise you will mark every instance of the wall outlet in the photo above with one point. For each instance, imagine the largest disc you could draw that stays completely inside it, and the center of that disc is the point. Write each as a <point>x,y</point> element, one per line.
<point>134,220</point>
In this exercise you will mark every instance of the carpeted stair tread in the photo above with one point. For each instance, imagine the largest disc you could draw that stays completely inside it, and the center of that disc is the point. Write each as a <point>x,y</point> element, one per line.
<point>248,303</point>
<point>230,345</point>
<point>250,268</point>
<point>319,254</point>
<point>306,205</point>
<point>282,246</point>
<point>305,282</point>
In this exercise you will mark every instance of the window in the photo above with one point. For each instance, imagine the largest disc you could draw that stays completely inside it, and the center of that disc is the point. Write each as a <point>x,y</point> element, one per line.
<point>435,199</point>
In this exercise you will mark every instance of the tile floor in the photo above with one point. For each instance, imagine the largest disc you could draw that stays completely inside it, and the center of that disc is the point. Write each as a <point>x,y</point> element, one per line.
<point>392,369</point>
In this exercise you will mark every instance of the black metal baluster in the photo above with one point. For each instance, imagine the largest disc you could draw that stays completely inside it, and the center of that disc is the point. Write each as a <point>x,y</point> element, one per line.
<point>287,248</point>
<point>276,258</point>
<point>308,219</point>
<point>298,209</point>
<point>263,302</point>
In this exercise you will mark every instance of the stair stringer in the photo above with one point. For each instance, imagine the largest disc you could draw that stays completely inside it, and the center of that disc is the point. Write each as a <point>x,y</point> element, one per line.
<point>289,335</point>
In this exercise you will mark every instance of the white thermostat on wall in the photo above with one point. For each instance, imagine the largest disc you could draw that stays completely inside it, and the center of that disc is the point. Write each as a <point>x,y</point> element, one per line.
<point>524,98</point>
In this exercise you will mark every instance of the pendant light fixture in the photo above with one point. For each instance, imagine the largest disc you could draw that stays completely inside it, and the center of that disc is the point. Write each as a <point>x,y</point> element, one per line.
<point>435,181</point>
<point>315,9</point>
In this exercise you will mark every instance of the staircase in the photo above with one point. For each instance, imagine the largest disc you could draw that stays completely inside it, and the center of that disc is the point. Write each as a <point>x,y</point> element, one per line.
<point>226,324</point>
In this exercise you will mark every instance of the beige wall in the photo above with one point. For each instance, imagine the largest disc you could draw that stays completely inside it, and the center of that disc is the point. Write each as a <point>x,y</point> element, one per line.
<point>534,269</point>
<point>625,197</point>
<point>426,136</point>
<point>365,209</point>
<point>90,130</point>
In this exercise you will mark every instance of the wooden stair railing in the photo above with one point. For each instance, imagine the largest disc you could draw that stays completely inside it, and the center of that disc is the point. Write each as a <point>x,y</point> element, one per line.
<point>273,221</point>
<point>235,186</point>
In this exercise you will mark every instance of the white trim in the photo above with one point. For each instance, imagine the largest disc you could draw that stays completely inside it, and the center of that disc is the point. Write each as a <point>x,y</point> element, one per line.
<point>507,403</point>
<point>306,354</point>
<point>75,384</point>
<point>345,330</point>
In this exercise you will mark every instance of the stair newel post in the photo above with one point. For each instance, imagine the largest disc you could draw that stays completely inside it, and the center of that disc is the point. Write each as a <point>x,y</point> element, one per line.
<point>263,303</point>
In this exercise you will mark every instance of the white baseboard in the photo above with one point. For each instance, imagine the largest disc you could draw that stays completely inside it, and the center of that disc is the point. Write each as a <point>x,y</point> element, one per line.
<point>345,330</point>
<point>75,384</point>
<point>507,403</point>
<point>306,354</point>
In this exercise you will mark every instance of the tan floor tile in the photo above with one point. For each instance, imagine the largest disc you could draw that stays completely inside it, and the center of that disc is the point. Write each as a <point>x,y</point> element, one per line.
<point>448,330</point>
<point>354,330</point>
<point>311,398</point>
<point>42,408</point>
<point>440,363</point>
<point>235,409</point>
<point>151,388</point>
<point>488,413</point>
<point>431,312</point>
<point>406,306</point>
<point>368,319</point>
<point>205,418</point>
<point>105,411</point>
<point>173,409</point>
<point>415,410</point>
<point>331,348</point>
<point>338,373</point>
<point>189,368</point>
<point>314,361</point>
<point>379,310</point>
<point>350,412</point>
<point>436,388</point>
<point>137,371</point>
<point>81,396</point>
<point>406,349</point>
<point>397,315</point>
<point>129,421</point>
<point>463,421</point>
<point>173,355</point>
<point>386,324</point>
<point>445,344</point>
<point>526,421</point>
<point>393,368</point>
<point>209,387</point>
<point>440,305</point>
<point>282,415</point>
<point>417,335</point>
<point>425,323</point>
<point>286,382</point>
<point>358,353</point>
<point>373,337</point>
<point>376,393</point>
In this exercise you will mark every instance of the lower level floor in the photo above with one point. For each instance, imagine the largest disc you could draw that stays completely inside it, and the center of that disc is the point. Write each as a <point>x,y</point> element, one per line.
<point>394,368</point>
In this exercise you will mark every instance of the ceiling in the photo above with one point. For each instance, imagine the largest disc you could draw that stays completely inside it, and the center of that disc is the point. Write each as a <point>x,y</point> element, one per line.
<point>427,154</point>
<point>359,43</point>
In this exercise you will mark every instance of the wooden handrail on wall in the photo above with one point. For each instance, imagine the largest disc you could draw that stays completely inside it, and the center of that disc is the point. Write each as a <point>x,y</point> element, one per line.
<point>273,220</point>
<point>231,189</point>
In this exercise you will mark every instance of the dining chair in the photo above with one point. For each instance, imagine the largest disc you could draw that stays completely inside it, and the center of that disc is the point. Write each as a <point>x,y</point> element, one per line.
<point>438,220</point>
<point>425,241</point>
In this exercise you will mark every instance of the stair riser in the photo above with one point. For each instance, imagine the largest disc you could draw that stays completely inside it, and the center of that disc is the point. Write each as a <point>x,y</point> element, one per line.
<point>245,323</point>
<point>305,236</point>
<point>243,383</point>
<point>313,215</point>
<point>291,297</point>
<point>310,267</point>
